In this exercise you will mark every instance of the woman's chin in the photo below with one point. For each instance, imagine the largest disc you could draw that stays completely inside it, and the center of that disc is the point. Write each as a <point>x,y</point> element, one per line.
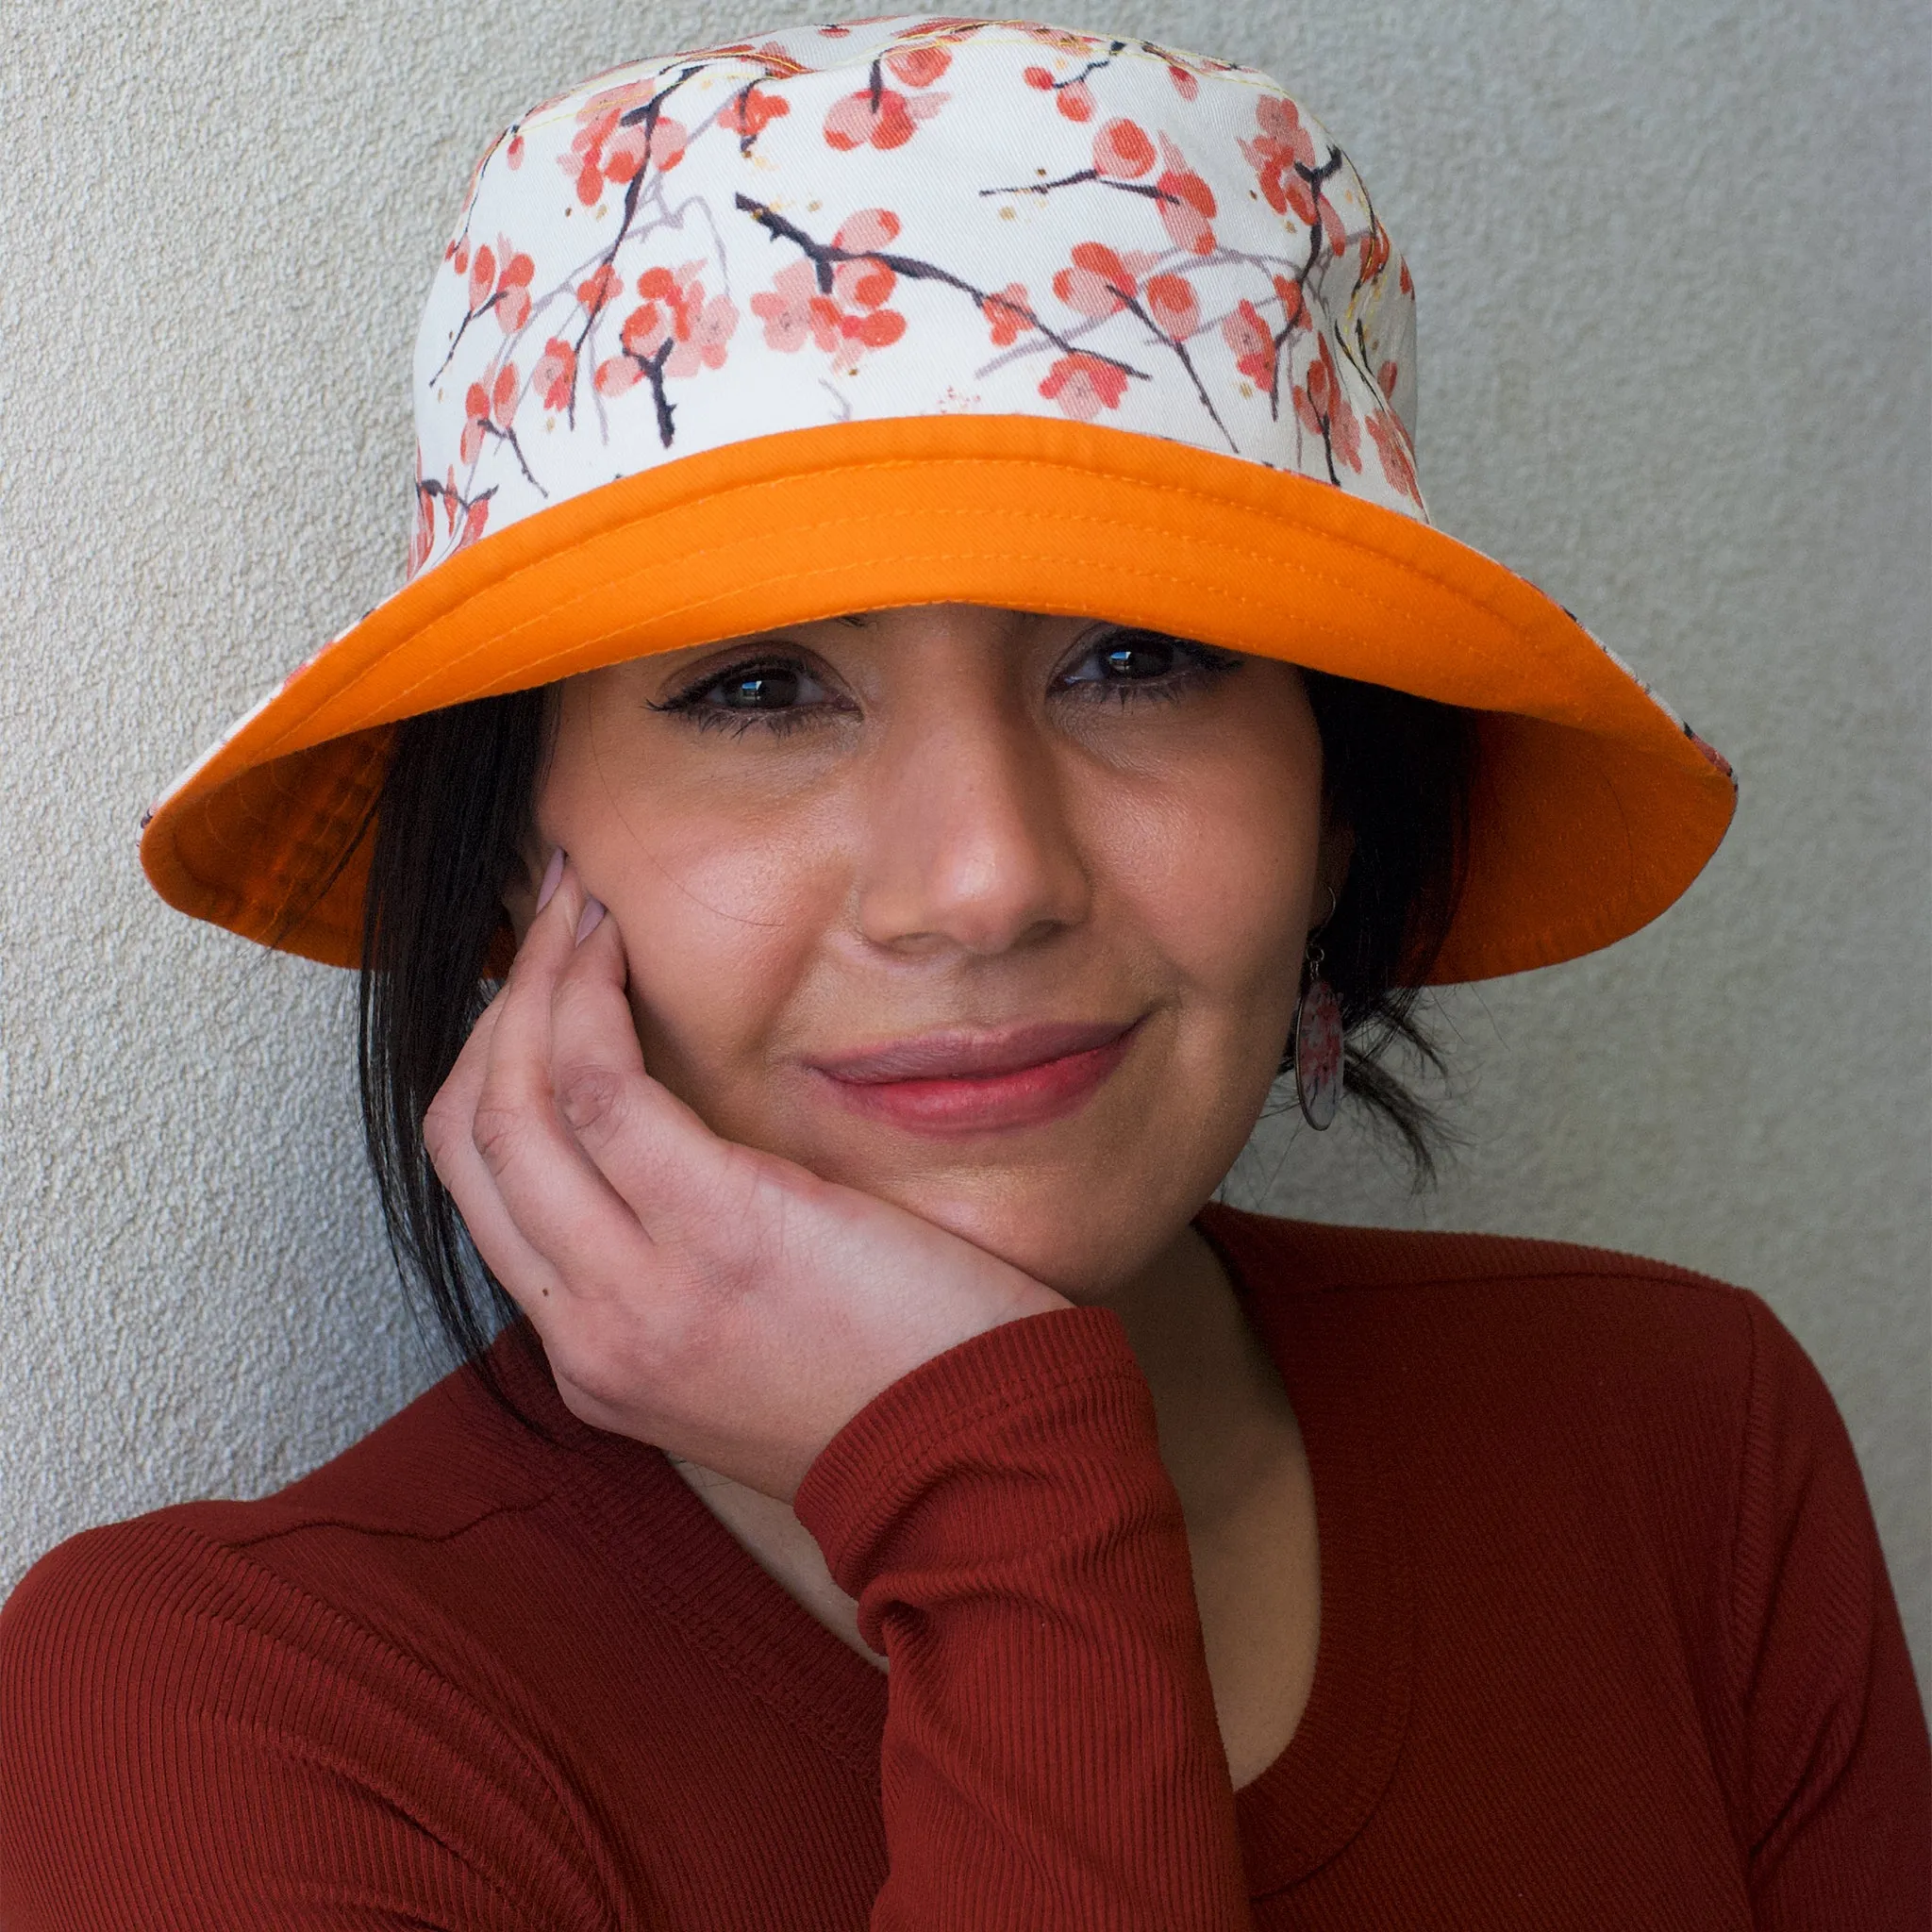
<point>1080,1227</point>
<point>1082,1185</point>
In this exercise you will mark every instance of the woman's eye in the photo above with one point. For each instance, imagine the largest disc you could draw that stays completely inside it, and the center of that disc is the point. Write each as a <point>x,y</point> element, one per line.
<point>1127,664</point>
<point>776,688</point>
<point>781,693</point>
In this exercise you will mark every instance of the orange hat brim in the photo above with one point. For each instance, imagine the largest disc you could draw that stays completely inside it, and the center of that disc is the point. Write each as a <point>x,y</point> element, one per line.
<point>1594,808</point>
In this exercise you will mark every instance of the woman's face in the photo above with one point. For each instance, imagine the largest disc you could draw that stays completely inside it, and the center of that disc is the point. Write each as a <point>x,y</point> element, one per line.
<point>996,916</point>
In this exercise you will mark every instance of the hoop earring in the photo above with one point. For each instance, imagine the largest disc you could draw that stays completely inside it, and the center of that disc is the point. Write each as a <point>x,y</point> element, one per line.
<point>1319,1045</point>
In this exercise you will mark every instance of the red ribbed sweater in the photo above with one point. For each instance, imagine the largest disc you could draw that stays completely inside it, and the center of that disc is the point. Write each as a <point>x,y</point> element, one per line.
<point>1607,1640</point>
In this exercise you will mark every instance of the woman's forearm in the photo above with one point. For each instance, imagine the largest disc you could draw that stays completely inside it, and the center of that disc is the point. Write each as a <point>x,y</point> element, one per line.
<point>1051,1757</point>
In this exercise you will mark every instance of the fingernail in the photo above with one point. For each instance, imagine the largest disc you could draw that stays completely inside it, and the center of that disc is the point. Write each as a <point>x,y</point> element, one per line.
<point>551,873</point>
<point>593,911</point>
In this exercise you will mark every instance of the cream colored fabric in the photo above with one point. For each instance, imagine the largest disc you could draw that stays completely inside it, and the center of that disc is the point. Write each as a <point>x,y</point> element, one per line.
<point>906,216</point>
<point>220,226</point>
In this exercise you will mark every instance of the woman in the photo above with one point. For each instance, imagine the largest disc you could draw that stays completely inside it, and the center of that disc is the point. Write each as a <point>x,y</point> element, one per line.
<point>924,670</point>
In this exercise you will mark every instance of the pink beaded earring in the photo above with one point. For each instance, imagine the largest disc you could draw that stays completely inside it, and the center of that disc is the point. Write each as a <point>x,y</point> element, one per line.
<point>1319,1039</point>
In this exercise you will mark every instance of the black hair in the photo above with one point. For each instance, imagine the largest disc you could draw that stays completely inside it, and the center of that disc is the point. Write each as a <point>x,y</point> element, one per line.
<point>452,827</point>
<point>1398,773</point>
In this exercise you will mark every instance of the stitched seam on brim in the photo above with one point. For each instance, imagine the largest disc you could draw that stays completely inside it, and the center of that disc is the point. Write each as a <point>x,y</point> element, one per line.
<point>1274,562</point>
<point>1102,474</point>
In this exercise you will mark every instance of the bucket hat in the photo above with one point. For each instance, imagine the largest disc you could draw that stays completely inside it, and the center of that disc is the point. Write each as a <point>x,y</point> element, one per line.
<point>940,309</point>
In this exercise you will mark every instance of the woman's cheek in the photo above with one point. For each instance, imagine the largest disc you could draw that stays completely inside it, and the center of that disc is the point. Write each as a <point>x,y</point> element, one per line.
<point>719,923</point>
<point>1218,865</point>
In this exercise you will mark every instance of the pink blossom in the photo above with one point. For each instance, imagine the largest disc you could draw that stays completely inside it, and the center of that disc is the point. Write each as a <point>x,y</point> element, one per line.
<point>887,121</point>
<point>508,294</point>
<point>475,516</point>
<point>608,147</point>
<point>583,161</point>
<point>513,295</point>
<point>878,330</point>
<point>1122,151</point>
<point>866,229</point>
<point>748,112</point>
<point>1280,143</point>
<point>863,284</point>
<point>423,531</point>
<point>1099,283</point>
<point>598,286</point>
<point>853,317</point>
<point>554,376</point>
<point>1172,303</point>
<point>919,66</point>
<point>1322,405</point>
<point>1083,386</point>
<point>704,329</point>
<point>676,310</point>
<point>476,423</point>
<point>679,286</point>
<point>1187,202</point>
<point>627,150</point>
<point>609,104</point>
<point>669,140</point>
<point>786,307</point>
<point>1392,445</point>
<point>1008,312</point>
<point>504,395</point>
<point>645,330</point>
<point>616,375</point>
<point>1253,343</point>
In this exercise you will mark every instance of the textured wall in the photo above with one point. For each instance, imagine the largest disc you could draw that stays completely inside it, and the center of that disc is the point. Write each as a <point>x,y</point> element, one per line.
<point>1674,356</point>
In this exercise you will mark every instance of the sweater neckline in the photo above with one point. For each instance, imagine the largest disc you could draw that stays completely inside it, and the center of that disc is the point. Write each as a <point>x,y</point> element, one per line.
<point>1320,1791</point>
<point>683,1564</point>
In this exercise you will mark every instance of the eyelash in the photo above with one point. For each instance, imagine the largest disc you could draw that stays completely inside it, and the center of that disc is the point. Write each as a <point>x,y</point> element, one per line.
<point>1199,664</point>
<point>690,706</point>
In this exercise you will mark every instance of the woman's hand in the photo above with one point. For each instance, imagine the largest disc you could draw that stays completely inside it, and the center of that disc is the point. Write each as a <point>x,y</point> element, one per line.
<point>722,1304</point>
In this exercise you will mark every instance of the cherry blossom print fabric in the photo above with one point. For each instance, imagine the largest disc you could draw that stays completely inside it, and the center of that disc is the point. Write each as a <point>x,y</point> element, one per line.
<point>905,217</point>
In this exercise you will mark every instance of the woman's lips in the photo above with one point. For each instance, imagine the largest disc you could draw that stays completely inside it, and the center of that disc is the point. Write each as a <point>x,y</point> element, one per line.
<point>961,1083</point>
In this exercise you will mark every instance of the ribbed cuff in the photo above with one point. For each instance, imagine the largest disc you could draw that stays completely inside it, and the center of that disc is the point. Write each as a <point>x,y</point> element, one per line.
<point>901,1444</point>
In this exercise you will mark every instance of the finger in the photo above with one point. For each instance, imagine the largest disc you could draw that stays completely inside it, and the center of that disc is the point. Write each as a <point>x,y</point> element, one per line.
<point>560,1204</point>
<point>449,1138</point>
<point>652,1149</point>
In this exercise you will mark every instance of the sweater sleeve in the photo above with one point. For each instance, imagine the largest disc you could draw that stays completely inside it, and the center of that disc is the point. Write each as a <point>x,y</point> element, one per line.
<point>188,1743</point>
<point>1017,1551</point>
<point>1837,1773</point>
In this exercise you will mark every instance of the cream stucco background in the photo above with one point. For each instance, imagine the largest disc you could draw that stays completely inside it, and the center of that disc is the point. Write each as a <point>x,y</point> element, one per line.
<point>1672,263</point>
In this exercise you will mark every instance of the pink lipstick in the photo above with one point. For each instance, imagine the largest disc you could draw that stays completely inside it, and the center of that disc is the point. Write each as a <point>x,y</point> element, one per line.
<point>974,1083</point>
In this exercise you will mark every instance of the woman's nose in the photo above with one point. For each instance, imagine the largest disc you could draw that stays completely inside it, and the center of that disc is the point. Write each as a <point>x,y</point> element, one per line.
<point>967,844</point>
